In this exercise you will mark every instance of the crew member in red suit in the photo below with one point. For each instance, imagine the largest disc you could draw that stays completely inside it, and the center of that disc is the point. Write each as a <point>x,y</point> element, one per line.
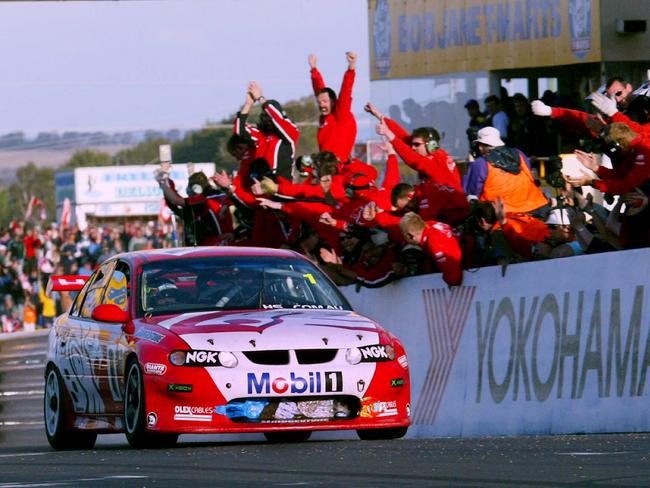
<point>616,96</point>
<point>420,150</point>
<point>635,228</point>
<point>338,128</point>
<point>430,200</point>
<point>438,242</point>
<point>275,136</point>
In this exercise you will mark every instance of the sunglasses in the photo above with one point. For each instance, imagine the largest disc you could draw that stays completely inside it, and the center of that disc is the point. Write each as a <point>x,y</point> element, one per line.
<point>417,144</point>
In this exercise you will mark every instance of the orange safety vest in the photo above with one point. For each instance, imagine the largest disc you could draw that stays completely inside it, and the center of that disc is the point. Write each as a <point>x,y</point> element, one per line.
<point>519,192</point>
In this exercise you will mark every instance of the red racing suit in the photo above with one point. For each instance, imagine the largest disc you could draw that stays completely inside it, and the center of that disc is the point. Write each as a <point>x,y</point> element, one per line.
<point>338,130</point>
<point>438,166</point>
<point>618,181</point>
<point>438,242</point>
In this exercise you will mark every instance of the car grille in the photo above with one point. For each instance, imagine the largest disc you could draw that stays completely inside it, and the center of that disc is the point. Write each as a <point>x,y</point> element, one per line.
<point>315,356</point>
<point>268,357</point>
<point>304,409</point>
<point>281,357</point>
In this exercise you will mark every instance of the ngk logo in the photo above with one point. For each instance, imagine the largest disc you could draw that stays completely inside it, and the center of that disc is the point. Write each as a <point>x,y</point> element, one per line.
<point>202,358</point>
<point>376,353</point>
<point>313,382</point>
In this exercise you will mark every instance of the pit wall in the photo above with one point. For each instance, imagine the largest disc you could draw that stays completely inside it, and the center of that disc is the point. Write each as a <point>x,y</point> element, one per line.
<point>552,347</point>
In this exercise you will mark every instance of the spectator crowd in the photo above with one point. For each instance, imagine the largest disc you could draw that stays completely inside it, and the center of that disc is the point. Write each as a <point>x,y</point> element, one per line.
<point>368,229</point>
<point>30,253</point>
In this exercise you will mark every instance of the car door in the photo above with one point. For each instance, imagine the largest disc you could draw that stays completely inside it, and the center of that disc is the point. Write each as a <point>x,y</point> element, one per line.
<point>94,356</point>
<point>113,342</point>
<point>71,358</point>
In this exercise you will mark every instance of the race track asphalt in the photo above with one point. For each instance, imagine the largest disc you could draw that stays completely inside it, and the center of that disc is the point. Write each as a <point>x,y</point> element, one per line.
<point>26,460</point>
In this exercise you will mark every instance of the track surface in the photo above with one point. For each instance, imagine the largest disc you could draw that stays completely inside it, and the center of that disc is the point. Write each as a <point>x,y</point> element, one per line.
<point>603,460</point>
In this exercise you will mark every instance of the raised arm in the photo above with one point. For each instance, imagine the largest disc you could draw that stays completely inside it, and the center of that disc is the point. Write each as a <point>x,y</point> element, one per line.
<point>286,128</point>
<point>344,102</point>
<point>241,127</point>
<point>317,82</point>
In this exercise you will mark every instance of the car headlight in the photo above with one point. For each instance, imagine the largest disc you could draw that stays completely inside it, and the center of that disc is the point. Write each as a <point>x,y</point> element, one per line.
<point>228,359</point>
<point>353,355</point>
<point>177,358</point>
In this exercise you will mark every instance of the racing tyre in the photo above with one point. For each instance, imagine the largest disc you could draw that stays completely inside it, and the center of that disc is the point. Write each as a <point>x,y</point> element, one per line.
<point>134,414</point>
<point>288,436</point>
<point>379,434</point>
<point>55,416</point>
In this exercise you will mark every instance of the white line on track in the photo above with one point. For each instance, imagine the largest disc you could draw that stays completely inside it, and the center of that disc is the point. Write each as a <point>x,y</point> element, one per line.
<point>587,453</point>
<point>70,482</point>
<point>22,454</point>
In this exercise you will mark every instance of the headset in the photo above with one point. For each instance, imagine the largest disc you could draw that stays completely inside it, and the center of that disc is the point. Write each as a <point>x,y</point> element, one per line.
<point>431,143</point>
<point>431,137</point>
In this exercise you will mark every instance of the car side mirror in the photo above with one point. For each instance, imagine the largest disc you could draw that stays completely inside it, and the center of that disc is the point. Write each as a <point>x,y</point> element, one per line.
<point>108,312</point>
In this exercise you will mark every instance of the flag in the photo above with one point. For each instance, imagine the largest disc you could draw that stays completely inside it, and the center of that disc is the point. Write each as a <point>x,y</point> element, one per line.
<point>30,208</point>
<point>66,213</point>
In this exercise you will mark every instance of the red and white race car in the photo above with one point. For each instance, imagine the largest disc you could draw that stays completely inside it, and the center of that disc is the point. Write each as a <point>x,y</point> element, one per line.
<point>212,340</point>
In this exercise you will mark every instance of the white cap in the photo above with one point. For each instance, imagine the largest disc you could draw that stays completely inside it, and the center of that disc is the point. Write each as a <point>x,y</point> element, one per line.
<point>490,136</point>
<point>558,216</point>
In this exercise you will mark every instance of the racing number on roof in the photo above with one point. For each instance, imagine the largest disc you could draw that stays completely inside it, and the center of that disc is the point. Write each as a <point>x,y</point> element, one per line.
<point>310,277</point>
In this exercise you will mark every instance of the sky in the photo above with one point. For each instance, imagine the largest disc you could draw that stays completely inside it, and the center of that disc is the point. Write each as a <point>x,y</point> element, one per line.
<point>163,64</point>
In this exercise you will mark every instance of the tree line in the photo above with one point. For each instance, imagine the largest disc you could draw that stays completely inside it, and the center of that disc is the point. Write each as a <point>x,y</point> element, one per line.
<point>204,145</point>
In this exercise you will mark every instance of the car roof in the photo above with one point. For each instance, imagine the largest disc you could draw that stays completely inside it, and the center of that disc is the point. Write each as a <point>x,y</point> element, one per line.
<point>138,258</point>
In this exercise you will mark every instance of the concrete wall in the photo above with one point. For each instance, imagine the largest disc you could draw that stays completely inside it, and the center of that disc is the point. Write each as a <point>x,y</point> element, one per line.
<point>554,347</point>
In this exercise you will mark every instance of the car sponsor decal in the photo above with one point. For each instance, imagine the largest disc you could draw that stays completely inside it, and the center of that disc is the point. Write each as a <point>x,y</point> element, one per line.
<point>396,382</point>
<point>403,362</point>
<point>202,358</point>
<point>193,413</point>
<point>179,388</point>
<point>312,382</point>
<point>277,306</point>
<point>152,419</point>
<point>155,368</point>
<point>378,353</point>
<point>149,335</point>
<point>371,408</point>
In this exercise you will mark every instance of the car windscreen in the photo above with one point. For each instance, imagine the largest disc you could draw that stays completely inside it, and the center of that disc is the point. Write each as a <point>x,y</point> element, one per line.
<point>234,283</point>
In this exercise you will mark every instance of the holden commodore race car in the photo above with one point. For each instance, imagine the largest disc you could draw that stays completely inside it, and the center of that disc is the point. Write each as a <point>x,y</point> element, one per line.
<point>217,340</point>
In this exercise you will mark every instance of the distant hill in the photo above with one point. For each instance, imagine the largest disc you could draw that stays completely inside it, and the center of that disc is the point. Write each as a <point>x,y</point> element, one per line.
<point>10,161</point>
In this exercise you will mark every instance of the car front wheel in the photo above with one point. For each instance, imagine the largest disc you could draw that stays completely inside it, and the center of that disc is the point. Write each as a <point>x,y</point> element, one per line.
<point>55,416</point>
<point>134,414</point>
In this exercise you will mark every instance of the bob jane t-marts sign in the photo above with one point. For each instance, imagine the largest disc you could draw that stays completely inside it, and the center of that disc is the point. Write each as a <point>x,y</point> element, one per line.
<point>411,38</point>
